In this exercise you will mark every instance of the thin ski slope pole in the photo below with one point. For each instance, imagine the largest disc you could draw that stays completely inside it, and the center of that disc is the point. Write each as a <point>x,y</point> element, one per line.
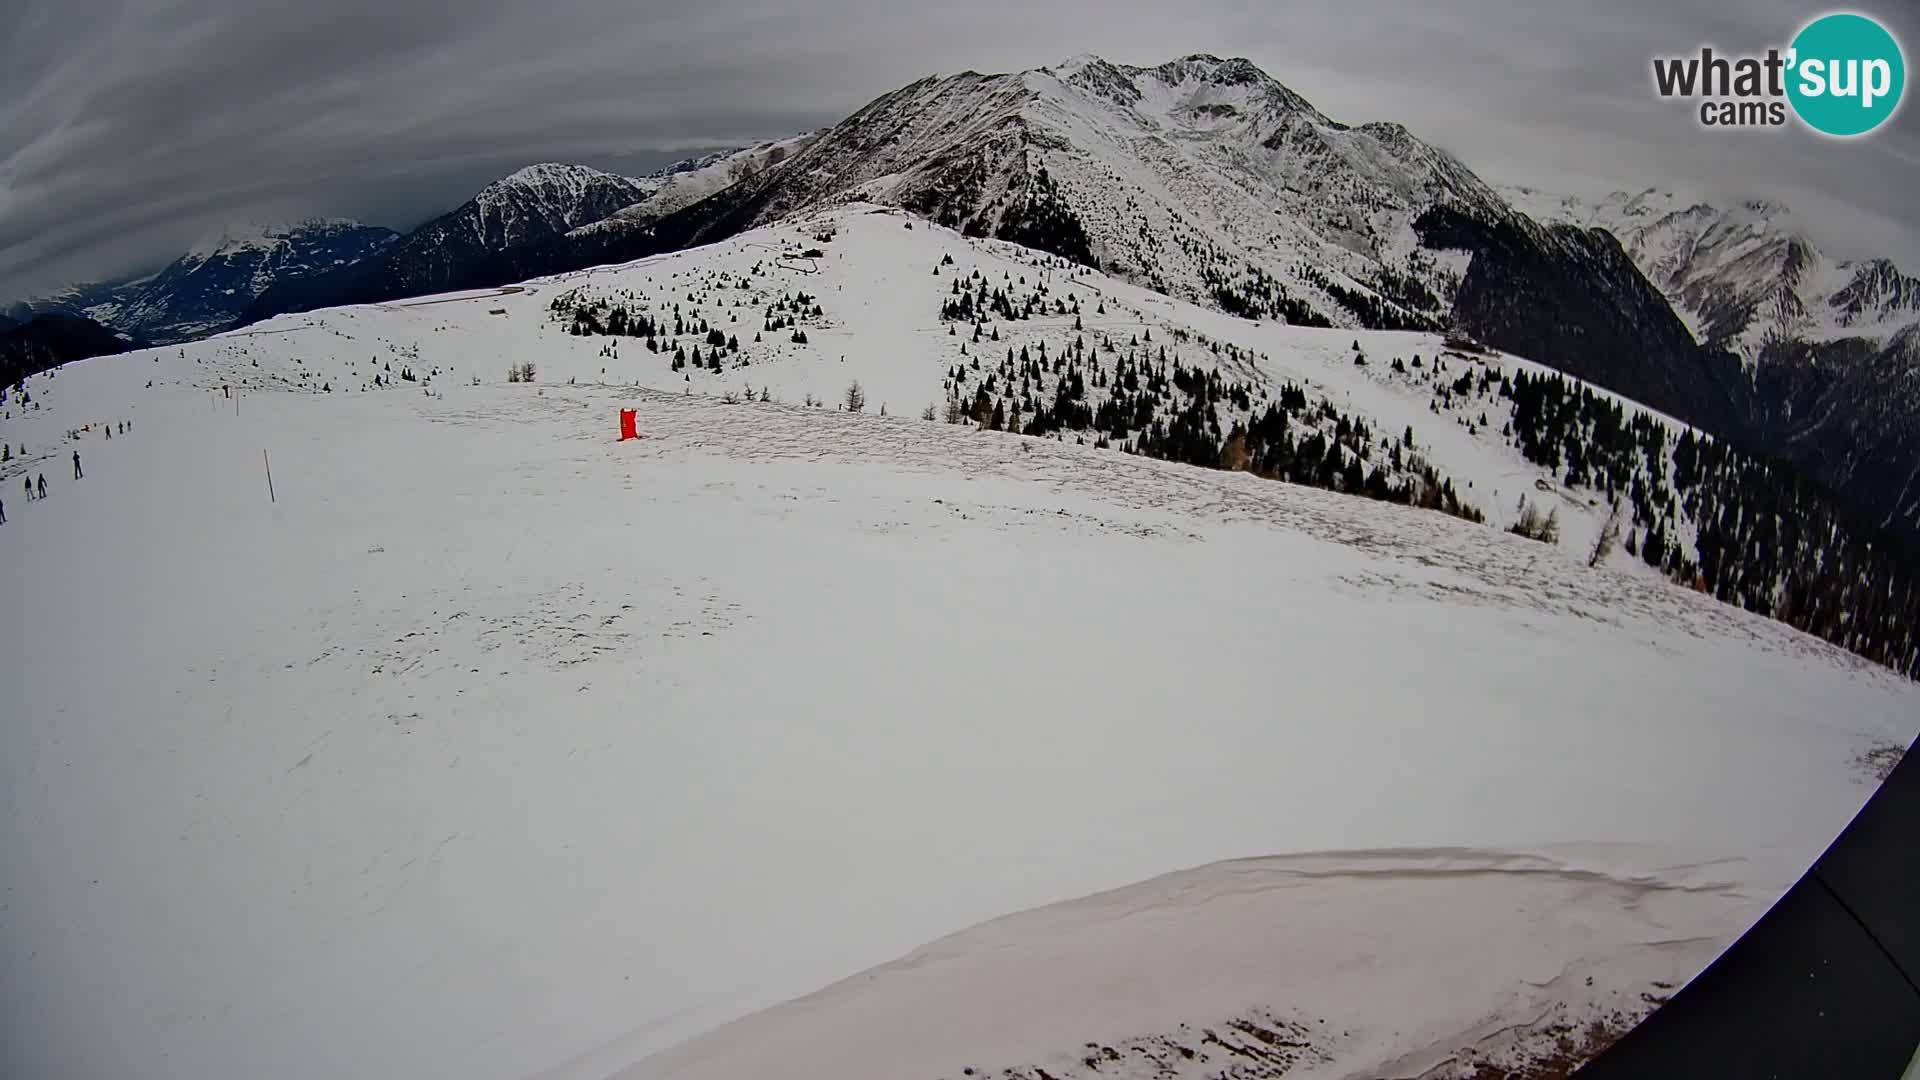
<point>269,465</point>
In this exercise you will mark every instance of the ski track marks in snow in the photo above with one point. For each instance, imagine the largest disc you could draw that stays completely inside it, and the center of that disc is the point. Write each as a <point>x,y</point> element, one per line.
<point>555,628</point>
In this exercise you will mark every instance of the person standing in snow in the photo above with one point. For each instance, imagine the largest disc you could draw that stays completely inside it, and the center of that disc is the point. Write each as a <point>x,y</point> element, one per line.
<point>29,489</point>
<point>3,511</point>
<point>76,465</point>
<point>43,486</point>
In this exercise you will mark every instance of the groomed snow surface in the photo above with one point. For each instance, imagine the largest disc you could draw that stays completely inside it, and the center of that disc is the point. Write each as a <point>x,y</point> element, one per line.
<point>496,748</point>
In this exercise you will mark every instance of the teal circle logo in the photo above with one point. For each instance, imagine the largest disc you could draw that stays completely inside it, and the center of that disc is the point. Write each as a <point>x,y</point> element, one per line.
<point>1846,76</point>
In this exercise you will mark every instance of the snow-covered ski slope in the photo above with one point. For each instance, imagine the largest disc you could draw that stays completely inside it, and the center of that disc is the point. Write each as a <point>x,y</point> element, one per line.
<point>495,748</point>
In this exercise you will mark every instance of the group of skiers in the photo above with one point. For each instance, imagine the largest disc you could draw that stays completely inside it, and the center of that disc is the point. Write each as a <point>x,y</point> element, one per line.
<point>36,487</point>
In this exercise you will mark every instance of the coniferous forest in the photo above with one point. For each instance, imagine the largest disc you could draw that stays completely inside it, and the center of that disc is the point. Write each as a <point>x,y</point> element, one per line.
<point>1751,532</point>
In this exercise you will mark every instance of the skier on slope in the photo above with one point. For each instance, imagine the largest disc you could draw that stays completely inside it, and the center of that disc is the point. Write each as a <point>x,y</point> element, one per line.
<point>76,465</point>
<point>3,511</point>
<point>29,489</point>
<point>43,486</point>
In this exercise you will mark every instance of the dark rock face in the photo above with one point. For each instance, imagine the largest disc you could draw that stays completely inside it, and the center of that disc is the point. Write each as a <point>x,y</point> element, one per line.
<point>1570,298</point>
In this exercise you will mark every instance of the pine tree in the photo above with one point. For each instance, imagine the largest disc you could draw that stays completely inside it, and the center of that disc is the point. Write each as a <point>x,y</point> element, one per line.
<point>1609,536</point>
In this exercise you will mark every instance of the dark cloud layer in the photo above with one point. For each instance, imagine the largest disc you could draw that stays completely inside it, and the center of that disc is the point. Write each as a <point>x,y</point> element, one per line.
<point>131,128</point>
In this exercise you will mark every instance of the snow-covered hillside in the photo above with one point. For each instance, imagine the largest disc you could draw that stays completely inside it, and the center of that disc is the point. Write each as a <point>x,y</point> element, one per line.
<point>489,746</point>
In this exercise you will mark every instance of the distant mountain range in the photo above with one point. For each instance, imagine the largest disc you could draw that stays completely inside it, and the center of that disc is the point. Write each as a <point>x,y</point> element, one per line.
<point>207,289</point>
<point>542,219</point>
<point>1207,179</point>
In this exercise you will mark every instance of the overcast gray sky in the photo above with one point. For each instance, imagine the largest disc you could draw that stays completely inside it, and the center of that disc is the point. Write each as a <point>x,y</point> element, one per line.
<point>131,128</point>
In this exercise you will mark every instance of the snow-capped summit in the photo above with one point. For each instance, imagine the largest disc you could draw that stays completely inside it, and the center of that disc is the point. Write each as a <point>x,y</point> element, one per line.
<point>238,237</point>
<point>546,199</point>
<point>248,236</point>
<point>1195,77</point>
<point>1203,177</point>
<point>561,183</point>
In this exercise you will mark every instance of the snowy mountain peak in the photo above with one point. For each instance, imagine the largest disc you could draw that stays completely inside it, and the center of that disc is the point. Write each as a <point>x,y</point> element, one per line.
<point>1237,71</point>
<point>237,237</point>
<point>550,178</point>
<point>1196,86</point>
<point>241,238</point>
<point>548,198</point>
<point>1078,62</point>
